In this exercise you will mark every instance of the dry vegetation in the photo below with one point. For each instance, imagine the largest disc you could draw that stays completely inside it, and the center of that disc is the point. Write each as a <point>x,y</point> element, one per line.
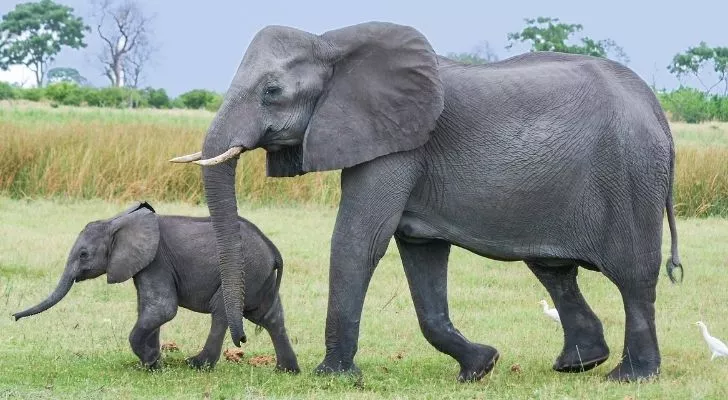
<point>122,155</point>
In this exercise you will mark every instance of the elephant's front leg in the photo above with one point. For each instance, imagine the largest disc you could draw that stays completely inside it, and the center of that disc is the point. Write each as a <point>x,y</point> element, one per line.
<point>584,344</point>
<point>144,341</point>
<point>156,305</point>
<point>373,197</point>
<point>425,265</point>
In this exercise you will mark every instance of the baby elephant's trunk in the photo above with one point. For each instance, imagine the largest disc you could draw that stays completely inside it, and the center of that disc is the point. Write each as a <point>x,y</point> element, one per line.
<point>64,285</point>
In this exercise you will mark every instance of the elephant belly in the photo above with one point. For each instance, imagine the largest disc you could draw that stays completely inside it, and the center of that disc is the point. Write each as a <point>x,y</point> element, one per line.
<point>416,228</point>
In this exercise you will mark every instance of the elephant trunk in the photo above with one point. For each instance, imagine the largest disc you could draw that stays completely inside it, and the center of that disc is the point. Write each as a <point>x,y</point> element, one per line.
<point>64,285</point>
<point>219,182</point>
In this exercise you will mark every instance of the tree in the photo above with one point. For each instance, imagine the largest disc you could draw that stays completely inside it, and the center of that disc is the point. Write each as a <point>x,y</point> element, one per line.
<point>125,31</point>
<point>695,59</point>
<point>482,54</point>
<point>33,34</point>
<point>56,75</point>
<point>198,98</point>
<point>549,34</point>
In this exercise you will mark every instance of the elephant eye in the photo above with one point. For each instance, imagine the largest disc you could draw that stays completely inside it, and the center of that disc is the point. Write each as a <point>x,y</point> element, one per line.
<point>272,91</point>
<point>83,255</point>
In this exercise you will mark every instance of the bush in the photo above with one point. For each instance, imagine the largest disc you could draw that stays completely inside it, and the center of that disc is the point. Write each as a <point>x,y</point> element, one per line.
<point>156,98</point>
<point>177,103</point>
<point>719,108</point>
<point>198,98</point>
<point>91,96</point>
<point>7,92</point>
<point>114,97</point>
<point>692,106</point>
<point>66,93</point>
<point>686,104</point>
<point>32,94</point>
<point>215,104</point>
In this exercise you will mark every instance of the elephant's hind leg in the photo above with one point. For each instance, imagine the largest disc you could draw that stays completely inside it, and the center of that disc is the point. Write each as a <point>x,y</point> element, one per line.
<point>584,344</point>
<point>425,265</point>
<point>637,284</point>
<point>210,353</point>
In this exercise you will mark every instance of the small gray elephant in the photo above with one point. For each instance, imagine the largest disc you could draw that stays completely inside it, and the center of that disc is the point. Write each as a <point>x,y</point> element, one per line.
<point>172,260</point>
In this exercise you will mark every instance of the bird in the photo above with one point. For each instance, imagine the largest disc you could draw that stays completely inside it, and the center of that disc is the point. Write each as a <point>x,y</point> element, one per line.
<point>717,348</point>
<point>550,312</point>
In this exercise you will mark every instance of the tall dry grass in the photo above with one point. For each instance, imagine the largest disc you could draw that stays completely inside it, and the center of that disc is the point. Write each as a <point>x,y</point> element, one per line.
<point>116,160</point>
<point>122,155</point>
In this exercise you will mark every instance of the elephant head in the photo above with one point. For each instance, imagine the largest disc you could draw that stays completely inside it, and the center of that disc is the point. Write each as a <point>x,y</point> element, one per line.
<point>314,103</point>
<point>118,247</point>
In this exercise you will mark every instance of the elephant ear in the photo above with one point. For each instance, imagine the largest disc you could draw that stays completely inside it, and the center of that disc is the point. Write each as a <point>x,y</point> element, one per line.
<point>134,241</point>
<point>384,96</point>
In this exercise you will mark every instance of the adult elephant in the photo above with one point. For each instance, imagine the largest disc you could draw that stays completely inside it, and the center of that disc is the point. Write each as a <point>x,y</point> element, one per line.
<point>557,160</point>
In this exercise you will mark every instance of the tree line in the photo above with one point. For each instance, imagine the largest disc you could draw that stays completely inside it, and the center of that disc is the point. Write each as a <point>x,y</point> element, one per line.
<point>34,33</point>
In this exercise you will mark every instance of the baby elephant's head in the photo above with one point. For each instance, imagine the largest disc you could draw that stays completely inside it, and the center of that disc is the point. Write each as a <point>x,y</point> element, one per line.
<point>118,247</point>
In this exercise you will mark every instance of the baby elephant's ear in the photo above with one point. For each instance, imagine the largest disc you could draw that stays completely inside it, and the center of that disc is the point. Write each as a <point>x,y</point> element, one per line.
<point>134,241</point>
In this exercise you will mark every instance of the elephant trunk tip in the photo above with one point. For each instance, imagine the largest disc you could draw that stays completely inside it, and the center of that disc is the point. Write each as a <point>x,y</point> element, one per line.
<point>238,338</point>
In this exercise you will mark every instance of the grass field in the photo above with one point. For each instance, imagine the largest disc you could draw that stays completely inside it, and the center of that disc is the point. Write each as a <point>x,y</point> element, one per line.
<point>79,349</point>
<point>122,154</point>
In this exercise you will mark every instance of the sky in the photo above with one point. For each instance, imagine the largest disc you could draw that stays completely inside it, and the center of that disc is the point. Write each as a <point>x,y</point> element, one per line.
<point>201,43</point>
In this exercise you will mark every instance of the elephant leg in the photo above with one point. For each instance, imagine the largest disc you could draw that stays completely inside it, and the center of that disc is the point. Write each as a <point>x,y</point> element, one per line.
<point>272,321</point>
<point>152,314</point>
<point>373,198</point>
<point>425,265</point>
<point>641,354</point>
<point>584,344</point>
<point>144,341</point>
<point>210,353</point>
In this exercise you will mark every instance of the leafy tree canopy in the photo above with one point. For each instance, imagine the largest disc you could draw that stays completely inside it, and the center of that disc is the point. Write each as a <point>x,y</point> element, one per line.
<point>55,75</point>
<point>33,34</point>
<point>550,34</point>
<point>694,60</point>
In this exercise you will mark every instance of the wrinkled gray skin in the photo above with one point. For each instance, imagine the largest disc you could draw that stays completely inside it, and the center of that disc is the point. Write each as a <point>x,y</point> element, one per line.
<point>170,260</point>
<point>556,160</point>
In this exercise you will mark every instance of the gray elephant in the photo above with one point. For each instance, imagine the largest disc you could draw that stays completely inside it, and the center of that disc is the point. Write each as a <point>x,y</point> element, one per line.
<point>553,159</point>
<point>172,260</point>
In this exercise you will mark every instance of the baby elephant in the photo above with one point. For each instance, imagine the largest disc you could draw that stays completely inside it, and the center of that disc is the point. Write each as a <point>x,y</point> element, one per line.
<point>173,261</point>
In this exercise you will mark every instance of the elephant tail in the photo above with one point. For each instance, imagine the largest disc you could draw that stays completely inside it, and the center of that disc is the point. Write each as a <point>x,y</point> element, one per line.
<point>673,263</point>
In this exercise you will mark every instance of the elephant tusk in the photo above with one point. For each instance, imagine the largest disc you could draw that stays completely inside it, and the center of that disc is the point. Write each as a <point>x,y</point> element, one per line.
<point>231,153</point>
<point>187,158</point>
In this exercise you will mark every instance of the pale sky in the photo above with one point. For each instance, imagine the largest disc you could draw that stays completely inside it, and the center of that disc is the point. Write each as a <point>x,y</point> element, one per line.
<point>202,42</point>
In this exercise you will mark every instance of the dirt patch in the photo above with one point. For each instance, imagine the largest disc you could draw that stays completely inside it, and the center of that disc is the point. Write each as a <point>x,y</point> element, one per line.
<point>170,346</point>
<point>260,361</point>
<point>516,368</point>
<point>233,354</point>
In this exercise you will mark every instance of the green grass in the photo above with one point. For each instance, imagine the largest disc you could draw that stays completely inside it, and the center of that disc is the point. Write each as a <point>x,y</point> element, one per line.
<point>79,349</point>
<point>707,134</point>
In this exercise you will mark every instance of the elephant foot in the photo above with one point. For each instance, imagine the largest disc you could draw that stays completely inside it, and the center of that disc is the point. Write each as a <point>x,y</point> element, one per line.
<point>154,366</point>
<point>202,361</point>
<point>329,367</point>
<point>288,367</point>
<point>479,362</point>
<point>581,358</point>
<point>632,372</point>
